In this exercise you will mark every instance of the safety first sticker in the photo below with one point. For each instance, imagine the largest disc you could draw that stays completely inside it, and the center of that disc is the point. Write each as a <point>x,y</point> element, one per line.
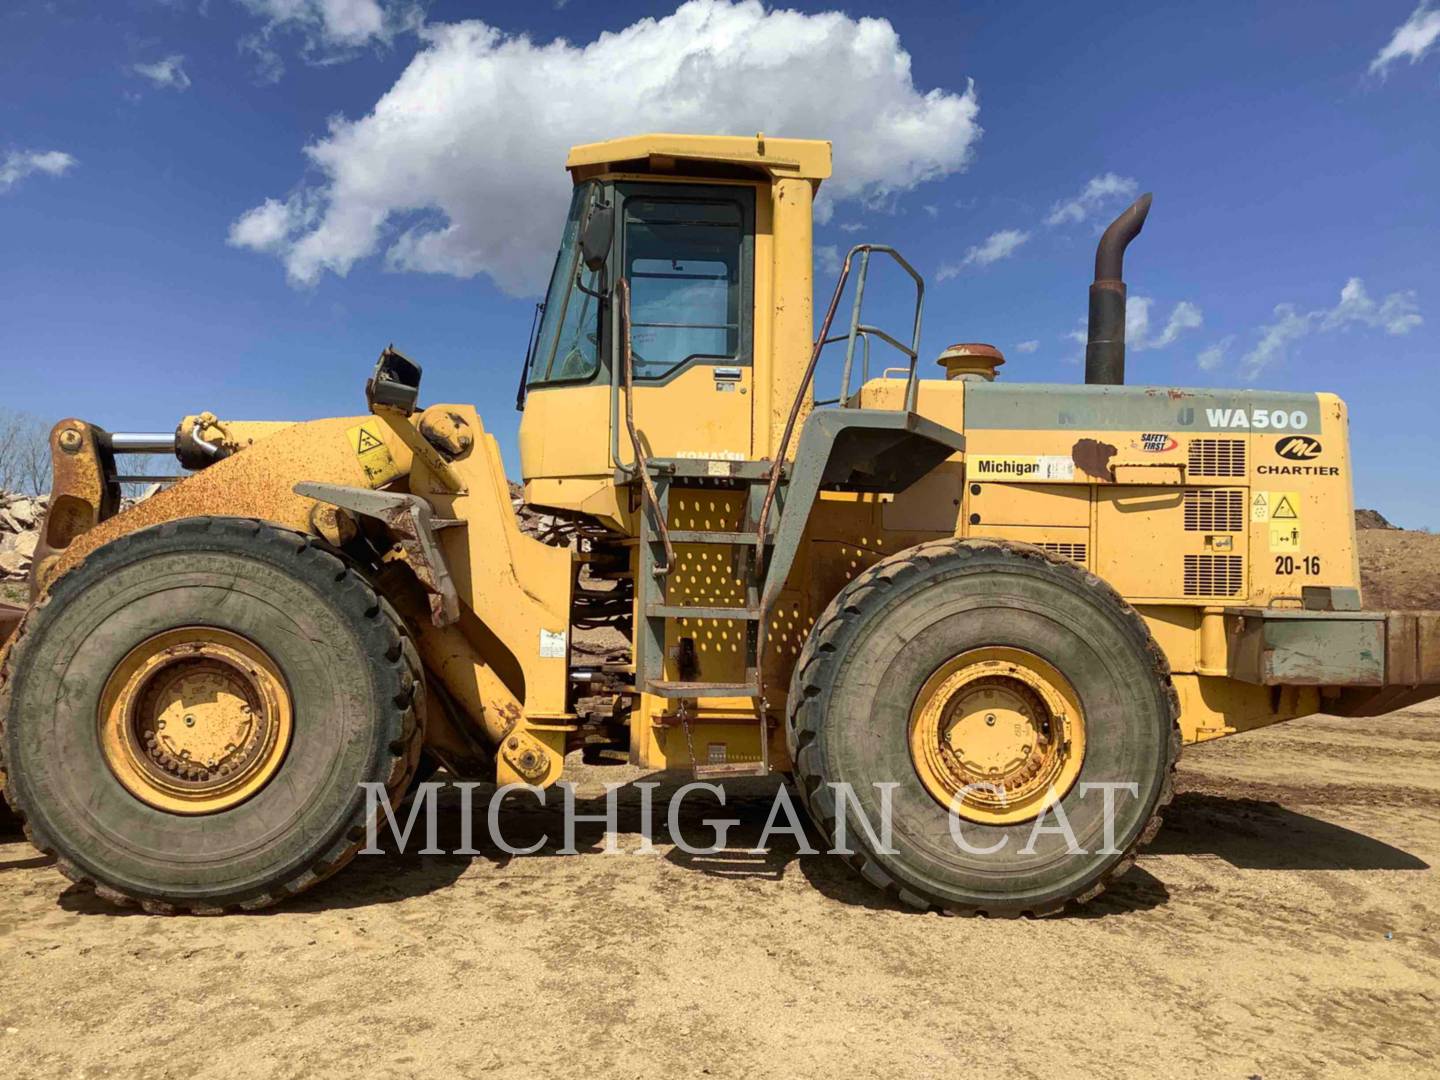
<point>1280,510</point>
<point>1021,467</point>
<point>372,453</point>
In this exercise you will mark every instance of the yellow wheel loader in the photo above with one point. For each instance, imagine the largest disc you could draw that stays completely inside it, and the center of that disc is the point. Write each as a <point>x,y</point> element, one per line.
<point>962,604</point>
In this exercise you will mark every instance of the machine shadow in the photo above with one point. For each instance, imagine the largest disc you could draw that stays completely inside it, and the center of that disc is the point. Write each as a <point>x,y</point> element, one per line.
<point>1254,835</point>
<point>10,828</point>
<point>1246,833</point>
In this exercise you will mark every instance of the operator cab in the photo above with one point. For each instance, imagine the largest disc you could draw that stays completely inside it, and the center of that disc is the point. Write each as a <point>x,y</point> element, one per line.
<point>712,235</point>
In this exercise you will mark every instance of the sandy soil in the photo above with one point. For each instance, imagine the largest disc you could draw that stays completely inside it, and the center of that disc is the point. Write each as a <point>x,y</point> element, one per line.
<point>1286,923</point>
<point>1399,568</point>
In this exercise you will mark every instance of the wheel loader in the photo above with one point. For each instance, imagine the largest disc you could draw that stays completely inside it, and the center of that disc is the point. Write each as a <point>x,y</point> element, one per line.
<point>963,601</point>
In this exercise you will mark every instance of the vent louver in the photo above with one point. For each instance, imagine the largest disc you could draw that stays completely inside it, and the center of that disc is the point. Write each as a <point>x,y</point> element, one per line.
<point>1076,553</point>
<point>1214,575</point>
<point>1215,510</point>
<point>1217,457</point>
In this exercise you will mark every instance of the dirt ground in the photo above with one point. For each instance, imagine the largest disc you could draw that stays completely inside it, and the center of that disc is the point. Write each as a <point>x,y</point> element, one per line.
<point>1285,923</point>
<point>1399,568</point>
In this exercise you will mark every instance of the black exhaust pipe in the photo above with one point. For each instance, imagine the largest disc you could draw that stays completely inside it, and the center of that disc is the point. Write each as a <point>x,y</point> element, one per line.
<point>1105,343</point>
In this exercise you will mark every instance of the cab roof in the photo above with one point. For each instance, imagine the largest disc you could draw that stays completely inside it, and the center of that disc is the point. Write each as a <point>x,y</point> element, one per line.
<point>807,159</point>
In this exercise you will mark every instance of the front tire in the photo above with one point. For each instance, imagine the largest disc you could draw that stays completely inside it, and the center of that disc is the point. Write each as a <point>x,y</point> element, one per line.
<point>1010,633</point>
<point>286,681</point>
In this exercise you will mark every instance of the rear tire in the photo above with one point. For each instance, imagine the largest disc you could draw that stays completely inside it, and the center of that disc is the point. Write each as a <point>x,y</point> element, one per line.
<point>879,645</point>
<point>341,651</point>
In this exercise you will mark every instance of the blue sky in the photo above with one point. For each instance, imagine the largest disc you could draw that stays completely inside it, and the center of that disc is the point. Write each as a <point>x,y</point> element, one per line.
<point>170,245</point>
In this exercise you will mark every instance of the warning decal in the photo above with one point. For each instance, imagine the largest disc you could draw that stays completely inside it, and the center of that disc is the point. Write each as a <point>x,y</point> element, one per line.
<point>1284,536</point>
<point>372,453</point>
<point>1283,506</point>
<point>552,644</point>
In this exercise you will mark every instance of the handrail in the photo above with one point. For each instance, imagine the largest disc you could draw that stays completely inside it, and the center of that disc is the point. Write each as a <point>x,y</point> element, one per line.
<point>824,338</point>
<point>862,332</point>
<point>627,359</point>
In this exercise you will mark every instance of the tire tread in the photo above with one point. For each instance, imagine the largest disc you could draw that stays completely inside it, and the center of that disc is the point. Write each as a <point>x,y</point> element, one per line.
<point>386,640</point>
<point>815,669</point>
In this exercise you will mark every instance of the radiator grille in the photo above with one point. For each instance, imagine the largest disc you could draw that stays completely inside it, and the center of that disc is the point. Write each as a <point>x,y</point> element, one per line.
<point>1217,457</point>
<point>1215,510</point>
<point>1213,575</point>
<point>1076,553</point>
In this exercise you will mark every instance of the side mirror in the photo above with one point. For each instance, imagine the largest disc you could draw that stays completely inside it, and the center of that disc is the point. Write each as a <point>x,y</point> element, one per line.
<point>596,235</point>
<point>395,384</point>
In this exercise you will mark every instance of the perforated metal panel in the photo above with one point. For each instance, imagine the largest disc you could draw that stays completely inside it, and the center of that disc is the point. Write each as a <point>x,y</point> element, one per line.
<point>1215,510</point>
<point>1217,457</point>
<point>1214,575</point>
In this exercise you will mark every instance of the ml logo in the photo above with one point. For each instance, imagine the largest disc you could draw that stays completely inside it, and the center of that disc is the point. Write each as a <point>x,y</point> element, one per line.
<point>1298,448</point>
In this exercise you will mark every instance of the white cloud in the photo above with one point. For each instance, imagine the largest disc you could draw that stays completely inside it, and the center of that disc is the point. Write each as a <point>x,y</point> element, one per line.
<point>1275,339</point>
<point>851,226</point>
<point>168,73</point>
<point>1412,39</point>
<point>997,246</point>
<point>18,164</point>
<point>476,128</point>
<point>268,226</point>
<point>1027,346</point>
<point>1183,316</point>
<point>1397,314</point>
<point>1214,357</point>
<point>828,260</point>
<point>1097,193</point>
<point>328,30</point>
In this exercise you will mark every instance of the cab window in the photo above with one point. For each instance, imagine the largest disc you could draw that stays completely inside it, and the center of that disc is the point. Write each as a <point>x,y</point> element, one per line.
<point>567,346</point>
<point>688,259</point>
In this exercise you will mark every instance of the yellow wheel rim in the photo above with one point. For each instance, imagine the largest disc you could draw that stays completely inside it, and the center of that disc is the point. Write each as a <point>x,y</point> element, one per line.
<point>195,720</point>
<point>996,735</point>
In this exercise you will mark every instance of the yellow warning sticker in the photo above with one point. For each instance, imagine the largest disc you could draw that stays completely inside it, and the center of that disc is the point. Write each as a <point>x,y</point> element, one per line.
<point>1275,506</point>
<point>372,453</point>
<point>1284,536</point>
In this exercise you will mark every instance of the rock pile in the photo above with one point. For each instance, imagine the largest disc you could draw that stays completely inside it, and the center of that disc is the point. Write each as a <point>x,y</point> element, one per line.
<point>1372,519</point>
<point>544,527</point>
<point>20,519</point>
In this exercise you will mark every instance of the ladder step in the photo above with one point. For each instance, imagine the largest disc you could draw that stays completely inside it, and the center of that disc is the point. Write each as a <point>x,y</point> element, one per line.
<point>686,611</point>
<point>731,768</point>
<point>671,689</point>
<point>704,536</point>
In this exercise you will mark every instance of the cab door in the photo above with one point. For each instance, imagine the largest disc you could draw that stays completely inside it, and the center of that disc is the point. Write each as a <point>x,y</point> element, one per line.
<point>688,252</point>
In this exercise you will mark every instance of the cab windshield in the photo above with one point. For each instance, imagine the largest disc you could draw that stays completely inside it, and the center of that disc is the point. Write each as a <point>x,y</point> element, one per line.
<point>567,346</point>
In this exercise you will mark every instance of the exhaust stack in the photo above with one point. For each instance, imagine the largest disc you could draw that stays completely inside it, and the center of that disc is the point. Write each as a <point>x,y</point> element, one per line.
<point>1105,342</point>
